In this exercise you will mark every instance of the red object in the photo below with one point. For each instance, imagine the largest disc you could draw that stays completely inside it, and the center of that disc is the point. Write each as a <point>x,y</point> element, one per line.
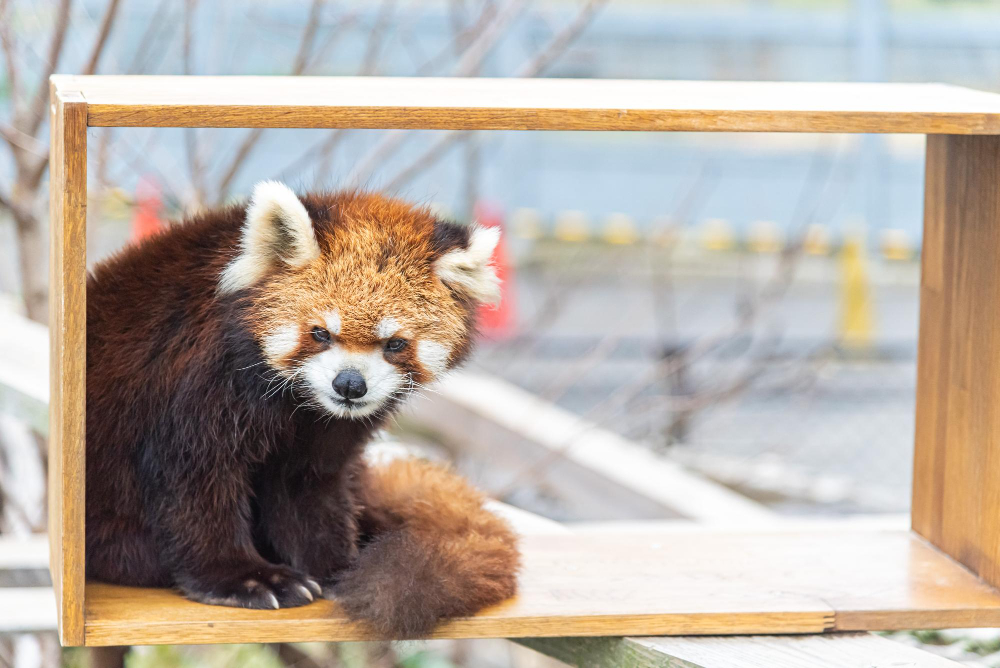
<point>498,322</point>
<point>148,206</point>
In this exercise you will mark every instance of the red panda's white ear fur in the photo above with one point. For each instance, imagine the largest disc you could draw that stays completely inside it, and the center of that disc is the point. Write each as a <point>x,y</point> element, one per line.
<point>277,229</point>
<point>470,270</point>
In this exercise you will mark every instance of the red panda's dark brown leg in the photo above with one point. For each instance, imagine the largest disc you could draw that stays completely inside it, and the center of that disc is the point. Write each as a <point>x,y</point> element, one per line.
<point>431,551</point>
<point>307,518</point>
<point>197,492</point>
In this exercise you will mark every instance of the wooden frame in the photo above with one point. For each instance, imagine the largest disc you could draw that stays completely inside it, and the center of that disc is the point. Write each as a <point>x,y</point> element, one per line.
<point>696,582</point>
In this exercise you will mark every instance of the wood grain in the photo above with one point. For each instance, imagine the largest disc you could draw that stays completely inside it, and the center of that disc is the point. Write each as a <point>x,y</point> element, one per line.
<point>956,496</point>
<point>835,650</point>
<point>67,347</point>
<point>652,584</point>
<point>533,104</point>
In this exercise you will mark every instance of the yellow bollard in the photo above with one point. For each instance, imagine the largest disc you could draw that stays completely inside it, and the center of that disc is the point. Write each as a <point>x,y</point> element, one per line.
<point>896,245</point>
<point>816,240</point>
<point>856,327</point>
<point>619,229</point>
<point>526,223</point>
<point>765,237</point>
<point>717,235</point>
<point>572,226</point>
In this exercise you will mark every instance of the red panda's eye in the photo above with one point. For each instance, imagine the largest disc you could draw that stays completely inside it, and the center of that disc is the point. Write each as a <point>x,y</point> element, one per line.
<point>321,335</point>
<point>395,345</point>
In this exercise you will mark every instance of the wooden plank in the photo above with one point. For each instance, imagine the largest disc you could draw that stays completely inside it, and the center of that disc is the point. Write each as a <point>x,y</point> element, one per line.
<point>630,584</point>
<point>956,498</point>
<point>67,319</point>
<point>836,650</point>
<point>606,475</point>
<point>27,609</point>
<point>28,553</point>
<point>24,371</point>
<point>534,104</point>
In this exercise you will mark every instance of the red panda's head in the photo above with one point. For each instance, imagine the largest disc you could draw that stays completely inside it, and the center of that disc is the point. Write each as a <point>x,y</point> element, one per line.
<point>357,298</point>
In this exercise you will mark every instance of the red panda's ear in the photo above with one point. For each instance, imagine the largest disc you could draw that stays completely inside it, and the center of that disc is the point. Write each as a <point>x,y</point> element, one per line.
<point>277,230</point>
<point>467,268</point>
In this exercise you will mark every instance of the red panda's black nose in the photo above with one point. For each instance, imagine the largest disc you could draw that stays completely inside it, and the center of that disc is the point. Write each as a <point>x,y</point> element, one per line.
<point>350,384</point>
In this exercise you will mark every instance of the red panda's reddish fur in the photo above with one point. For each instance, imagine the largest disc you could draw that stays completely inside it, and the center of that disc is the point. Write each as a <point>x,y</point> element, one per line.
<point>200,477</point>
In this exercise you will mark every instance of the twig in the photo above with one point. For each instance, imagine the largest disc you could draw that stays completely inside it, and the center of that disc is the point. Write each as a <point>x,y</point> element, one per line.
<point>534,67</point>
<point>468,64</point>
<point>561,41</point>
<point>195,168</point>
<point>252,138</point>
<point>37,110</point>
<point>102,36</point>
<point>149,37</point>
<point>344,22</point>
<point>9,55</point>
<point>749,313</point>
<point>461,41</point>
<point>480,47</point>
<point>20,214</point>
<point>376,38</point>
<point>21,141</point>
<point>324,151</point>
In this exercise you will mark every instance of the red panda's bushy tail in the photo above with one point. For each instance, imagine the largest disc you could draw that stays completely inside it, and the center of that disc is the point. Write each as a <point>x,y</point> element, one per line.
<point>434,552</point>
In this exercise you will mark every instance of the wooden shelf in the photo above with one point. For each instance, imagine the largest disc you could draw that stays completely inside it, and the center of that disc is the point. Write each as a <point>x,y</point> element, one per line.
<point>532,104</point>
<point>700,582</point>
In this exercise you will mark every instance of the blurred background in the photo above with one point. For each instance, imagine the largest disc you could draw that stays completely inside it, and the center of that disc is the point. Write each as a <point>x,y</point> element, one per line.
<point>740,310</point>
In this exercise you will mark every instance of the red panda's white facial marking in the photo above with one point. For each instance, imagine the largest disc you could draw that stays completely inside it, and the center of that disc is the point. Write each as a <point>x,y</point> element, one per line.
<point>433,356</point>
<point>282,342</point>
<point>387,327</point>
<point>386,305</point>
<point>332,320</point>
<point>381,380</point>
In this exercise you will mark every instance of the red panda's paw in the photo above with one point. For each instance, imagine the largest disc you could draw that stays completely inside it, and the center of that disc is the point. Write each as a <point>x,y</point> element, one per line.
<point>263,588</point>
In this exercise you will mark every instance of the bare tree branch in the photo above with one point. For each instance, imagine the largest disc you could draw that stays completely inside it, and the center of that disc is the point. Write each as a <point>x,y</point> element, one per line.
<point>470,62</point>
<point>473,57</point>
<point>6,202</point>
<point>434,152</point>
<point>536,66</point>
<point>557,46</point>
<point>149,37</point>
<point>333,35</point>
<point>41,101</point>
<point>102,36</point>
<point>308,37</point>
<point>461,41</point>
<point>22,142</point>
<point>374,46</point>
<point>195,168</point>
<point>9,55</point>
<point>369,62</point>
<point>253,137</point>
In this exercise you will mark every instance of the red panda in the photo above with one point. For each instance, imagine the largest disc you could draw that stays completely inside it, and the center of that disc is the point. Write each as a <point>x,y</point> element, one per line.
<point>238,363</point>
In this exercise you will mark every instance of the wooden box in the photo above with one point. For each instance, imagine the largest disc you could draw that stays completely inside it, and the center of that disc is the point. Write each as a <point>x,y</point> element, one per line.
<point>697,581</point>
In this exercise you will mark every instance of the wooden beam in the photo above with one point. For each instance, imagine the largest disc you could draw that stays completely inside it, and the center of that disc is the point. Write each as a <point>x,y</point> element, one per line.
<point>837,650</point>
<point>24,371</point>
<point>29,553</point>
<point>956,496</point>
<point>68,354</point>
<point>534,104</point>
<point>605,476</point>
<point>629,584</point>
<point>27,610</point>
